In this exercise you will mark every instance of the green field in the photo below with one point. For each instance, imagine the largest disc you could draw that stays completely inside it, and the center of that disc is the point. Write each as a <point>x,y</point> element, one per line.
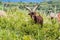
<point>18,25</point>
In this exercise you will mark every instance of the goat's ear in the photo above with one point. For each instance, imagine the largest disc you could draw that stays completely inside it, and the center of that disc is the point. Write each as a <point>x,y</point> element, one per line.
<point>34,9</point>
<point>28,8</point>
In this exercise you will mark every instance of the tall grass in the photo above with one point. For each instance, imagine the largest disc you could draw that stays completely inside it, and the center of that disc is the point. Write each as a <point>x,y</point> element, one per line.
<point>19,26</point>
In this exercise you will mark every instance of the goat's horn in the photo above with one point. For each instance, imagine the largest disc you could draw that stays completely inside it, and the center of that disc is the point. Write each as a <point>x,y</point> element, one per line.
<point>28,9</point>
<point>35,8</point>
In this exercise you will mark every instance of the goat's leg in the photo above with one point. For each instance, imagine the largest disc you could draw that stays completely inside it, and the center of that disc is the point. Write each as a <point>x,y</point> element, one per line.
<point>35,22</point>
<point>41,24</point>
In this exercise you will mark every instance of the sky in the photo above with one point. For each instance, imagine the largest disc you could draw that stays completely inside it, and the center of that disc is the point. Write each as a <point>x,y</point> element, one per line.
<point>22,0</point>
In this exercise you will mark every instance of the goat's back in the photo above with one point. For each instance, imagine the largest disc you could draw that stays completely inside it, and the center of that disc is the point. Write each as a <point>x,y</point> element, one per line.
<point>38,19</point>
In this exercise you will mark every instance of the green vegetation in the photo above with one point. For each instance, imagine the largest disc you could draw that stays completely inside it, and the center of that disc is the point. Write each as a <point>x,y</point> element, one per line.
<point>18,25</point>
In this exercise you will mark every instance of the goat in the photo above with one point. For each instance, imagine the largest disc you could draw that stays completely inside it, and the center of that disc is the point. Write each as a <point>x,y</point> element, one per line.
<point>2,13</point>
<point>37,18</point>
<point>58,17</point>
<point>52,14</point>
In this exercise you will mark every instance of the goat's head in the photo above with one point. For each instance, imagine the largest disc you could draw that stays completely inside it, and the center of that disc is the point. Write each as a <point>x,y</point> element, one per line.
<point>32,11</point>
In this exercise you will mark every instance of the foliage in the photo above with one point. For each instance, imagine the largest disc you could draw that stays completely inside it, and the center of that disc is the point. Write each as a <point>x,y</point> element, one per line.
<point>19,26</point>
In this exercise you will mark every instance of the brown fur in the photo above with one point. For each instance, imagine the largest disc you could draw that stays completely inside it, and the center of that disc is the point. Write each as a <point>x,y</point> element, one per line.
<point>58,17</point>
<point>37,18</point>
